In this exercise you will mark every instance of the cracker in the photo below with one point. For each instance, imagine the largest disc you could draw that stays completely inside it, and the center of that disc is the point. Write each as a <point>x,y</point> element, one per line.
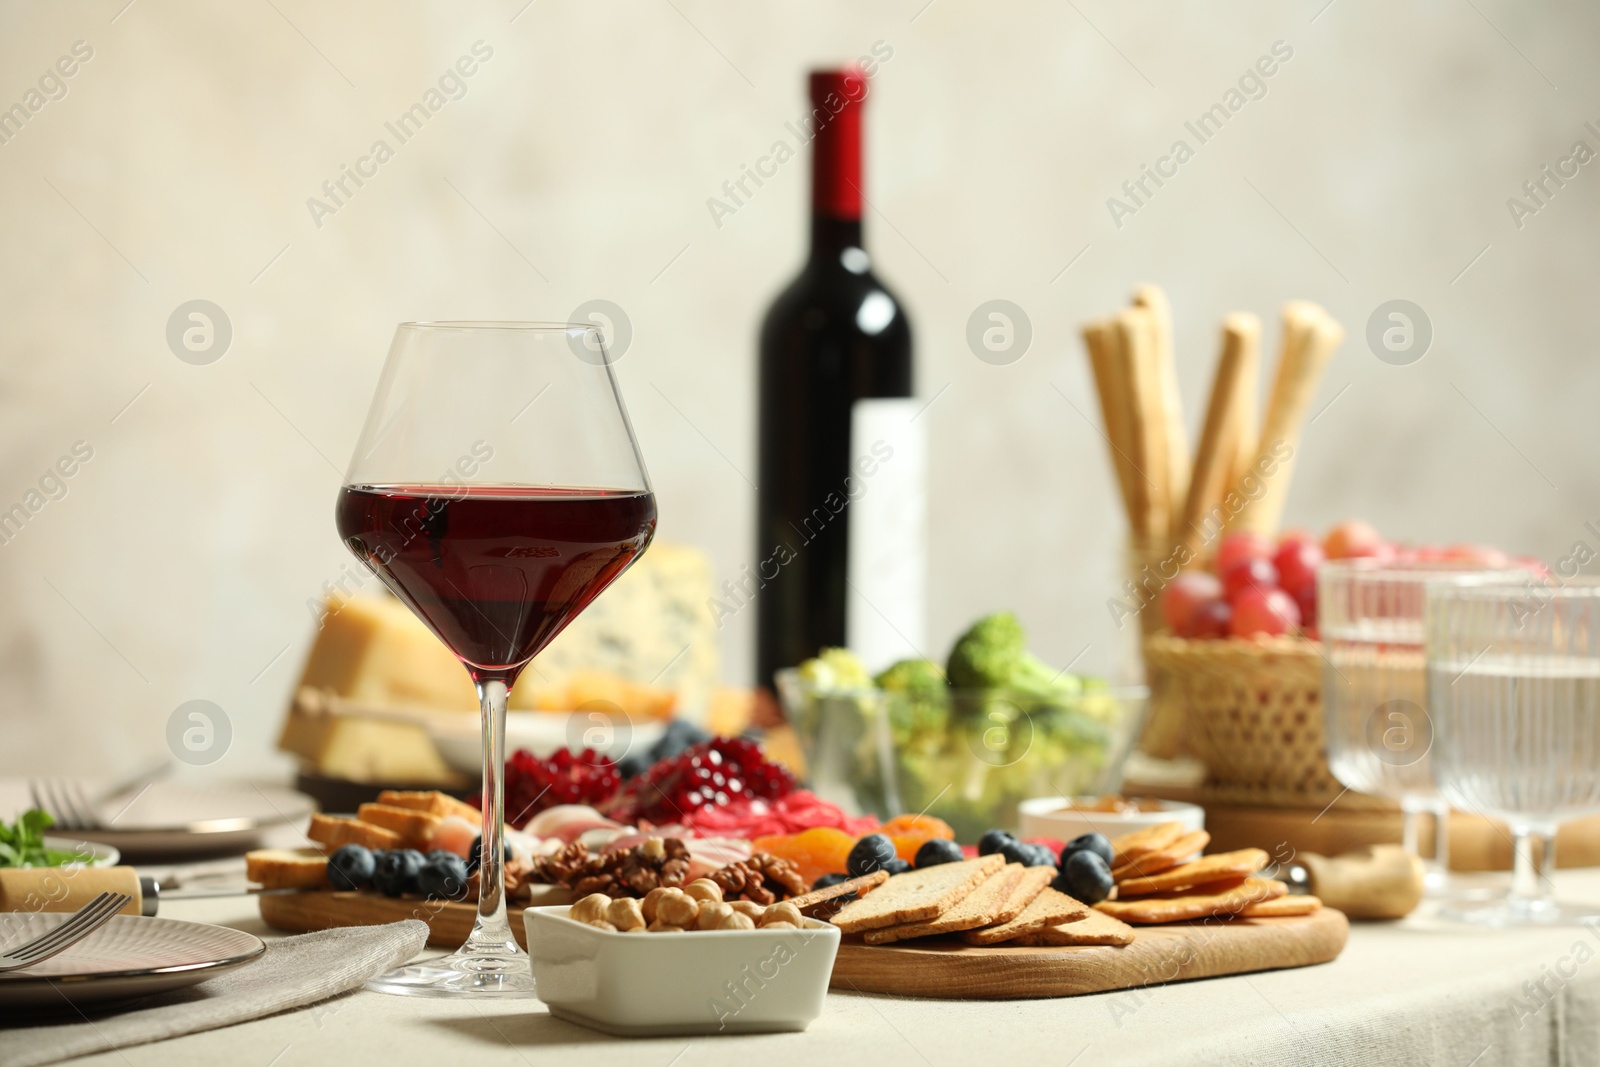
<point>1173,908</point>
<point>1095,928</point>
<point>832,893</point>
<point>1034,880</point>
<point>1213,868</point>
<point>1050,908</point>
<point>1281,906</point>
<point>977,908</point>
<point>1164,858</point>
<point>1143,842</point>
<point>917,895</point>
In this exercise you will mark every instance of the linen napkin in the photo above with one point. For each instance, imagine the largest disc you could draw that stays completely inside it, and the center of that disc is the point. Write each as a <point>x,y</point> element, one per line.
<point>293,973</point>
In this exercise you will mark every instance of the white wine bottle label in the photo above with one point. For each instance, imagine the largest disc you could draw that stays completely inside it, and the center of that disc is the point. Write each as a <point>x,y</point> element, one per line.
<point>886,601</point>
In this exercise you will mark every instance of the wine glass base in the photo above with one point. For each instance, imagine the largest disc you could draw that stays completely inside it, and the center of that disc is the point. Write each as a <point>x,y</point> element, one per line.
<point>498,977</point>
<point>1447,888</point>
<point>1504,912</point>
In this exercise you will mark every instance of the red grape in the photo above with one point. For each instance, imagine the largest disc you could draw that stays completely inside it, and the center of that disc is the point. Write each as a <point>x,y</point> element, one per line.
<point>1186,593</point>
<point>1251,573</point>
<point>1297,563</point>
<point>1211,619</point>
<point>1263,611</point>
<point>1238,547</point>
<point>1353,538</point>
<point>1305,599</point>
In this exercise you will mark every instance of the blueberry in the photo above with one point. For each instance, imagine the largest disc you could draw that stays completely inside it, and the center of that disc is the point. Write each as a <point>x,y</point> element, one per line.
<point>937,850</point>
<point>441,854</point>
<point>1016,852</point>
<point>1042,856</point>
<point>680,734</point>
<point>444,876</point>
<point>897,866</point>
<point>475,853</point>
<point>1095,843</point>
<point>396,872</point>
<point>871,853</point>
<point>351,867</point>
<point>1085,876</point>
<point>829,879</point>
<point>992,840</point>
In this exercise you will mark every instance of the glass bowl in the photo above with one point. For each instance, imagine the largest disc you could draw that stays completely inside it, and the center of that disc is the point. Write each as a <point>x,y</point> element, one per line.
<point>967,756</point>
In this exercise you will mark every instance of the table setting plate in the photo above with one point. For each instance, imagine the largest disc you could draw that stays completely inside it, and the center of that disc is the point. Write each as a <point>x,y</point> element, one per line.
<point>173,819</point>
<point>131,956</point>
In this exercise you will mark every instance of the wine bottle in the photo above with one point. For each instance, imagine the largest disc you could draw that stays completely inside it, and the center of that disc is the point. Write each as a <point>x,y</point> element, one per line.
<point>841,504</point>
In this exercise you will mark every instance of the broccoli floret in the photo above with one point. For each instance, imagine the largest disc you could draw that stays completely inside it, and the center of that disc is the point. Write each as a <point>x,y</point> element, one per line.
<point>835,670</point>
<point>994,654</point>
<point>918,677</point>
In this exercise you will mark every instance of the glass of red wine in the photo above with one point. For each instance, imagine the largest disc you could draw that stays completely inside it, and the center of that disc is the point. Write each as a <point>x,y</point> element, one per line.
<point>496,489</point>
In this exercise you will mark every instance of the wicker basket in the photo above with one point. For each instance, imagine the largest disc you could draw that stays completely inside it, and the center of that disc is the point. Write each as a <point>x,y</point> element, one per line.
<point>1251,711</point>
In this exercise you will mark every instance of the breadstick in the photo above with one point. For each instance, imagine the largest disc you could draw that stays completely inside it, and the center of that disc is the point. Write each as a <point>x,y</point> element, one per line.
<point>1310,337</point>
<point>1154,298</point>
<point>1135,330</point>
<point>1100,339</point>
<point>1229,409</point>
<point>1247,435</point>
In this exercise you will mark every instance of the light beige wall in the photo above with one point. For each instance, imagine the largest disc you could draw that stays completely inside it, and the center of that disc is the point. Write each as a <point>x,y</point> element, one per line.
<point>578,165</point>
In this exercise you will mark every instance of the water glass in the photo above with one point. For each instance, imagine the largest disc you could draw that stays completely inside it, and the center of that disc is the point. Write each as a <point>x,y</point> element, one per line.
<point>1514,694</point>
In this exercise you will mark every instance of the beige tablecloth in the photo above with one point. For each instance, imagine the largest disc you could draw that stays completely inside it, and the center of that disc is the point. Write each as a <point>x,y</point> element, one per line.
<point>1410,993</point>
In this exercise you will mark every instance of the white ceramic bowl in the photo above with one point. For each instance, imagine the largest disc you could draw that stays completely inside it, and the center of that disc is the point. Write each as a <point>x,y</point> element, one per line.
<point>700,982</point>
<point>88,853</point>
<point>1051,817</point>
<point>460,741</point>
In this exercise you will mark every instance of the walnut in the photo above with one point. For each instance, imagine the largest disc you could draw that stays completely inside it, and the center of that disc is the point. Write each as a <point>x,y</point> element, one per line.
<point>565,867</point>
<point>763,878</point>
<point>633,872</point>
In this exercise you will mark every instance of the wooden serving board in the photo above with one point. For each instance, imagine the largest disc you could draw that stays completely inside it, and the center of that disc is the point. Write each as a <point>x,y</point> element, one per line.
<point>948,969</point>
<point>448,923</point>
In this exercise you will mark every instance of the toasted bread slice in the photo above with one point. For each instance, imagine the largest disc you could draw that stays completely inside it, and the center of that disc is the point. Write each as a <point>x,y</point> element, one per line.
<point>431,801</point>
<point>1132,845</point>
<point>414,827</point>
<point>1194,903</point>
<point>1034,880</point>
<point>335,831</point>
<point>1095,928</point>
<point>821,903</point>
<point>1281,907</point>
<point>286,868</point>
<point>1217,867</point>
<point>977,908</point>
<point>917,896</point>
<point>1163,859</point>
<point>1050,908</point>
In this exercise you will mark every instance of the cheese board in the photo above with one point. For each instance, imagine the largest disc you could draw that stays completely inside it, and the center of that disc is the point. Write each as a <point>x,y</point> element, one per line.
<point>449,923</point>
<point>949,969</point>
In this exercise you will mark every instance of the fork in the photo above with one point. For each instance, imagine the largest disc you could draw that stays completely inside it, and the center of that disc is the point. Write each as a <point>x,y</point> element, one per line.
<point>66,801</point>
<point>83,922</point>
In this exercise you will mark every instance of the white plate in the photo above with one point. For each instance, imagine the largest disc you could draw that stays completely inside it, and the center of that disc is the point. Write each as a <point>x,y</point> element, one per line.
<point>460,744</point>
<point>172,819</point>
<point>1049,817</point>
<point>95,854</point>
<point>130,956</point>
<point>696,982</point>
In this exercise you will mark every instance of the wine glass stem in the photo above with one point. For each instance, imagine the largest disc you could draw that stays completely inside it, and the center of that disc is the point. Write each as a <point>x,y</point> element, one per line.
<point>491,933</point>
<point>1533,859</point>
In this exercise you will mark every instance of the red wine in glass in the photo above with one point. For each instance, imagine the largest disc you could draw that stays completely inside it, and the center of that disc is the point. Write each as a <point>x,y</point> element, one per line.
<point>495,571</point>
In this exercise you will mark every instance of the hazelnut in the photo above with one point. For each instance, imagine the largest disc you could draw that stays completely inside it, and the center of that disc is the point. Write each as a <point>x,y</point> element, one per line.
<point>659,927</point>
<point>748,908</point>
<point>711,915</point>
<point>654,848</point>
<point>590,908</point>
<point>601,924</point>
<point>651,899</point>
<point>704,890</point>
<point>635,930</point>
<point>678,908</point>
<point>736,921</point>
<point>625,914</point>
<point>781,913</point>
<point>779,924</point>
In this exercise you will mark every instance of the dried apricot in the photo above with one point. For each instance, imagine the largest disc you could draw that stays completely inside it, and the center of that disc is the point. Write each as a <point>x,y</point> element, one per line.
<point>814,853</point>
<point>925,826</point>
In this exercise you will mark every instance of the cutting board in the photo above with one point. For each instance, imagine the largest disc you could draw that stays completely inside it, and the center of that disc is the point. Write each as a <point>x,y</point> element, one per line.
<point>948,969</point>
<point>448,923</point>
